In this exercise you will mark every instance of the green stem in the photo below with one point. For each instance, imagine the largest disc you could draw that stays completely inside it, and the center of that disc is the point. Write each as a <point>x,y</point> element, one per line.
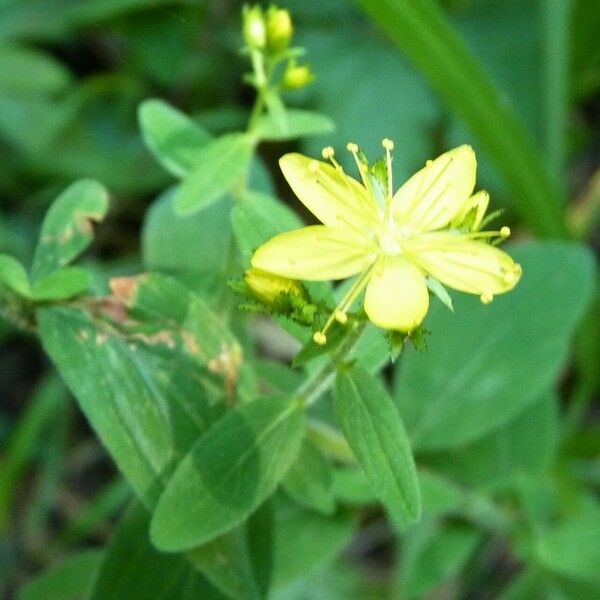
<point>320,381</point>
<point>331,441</point>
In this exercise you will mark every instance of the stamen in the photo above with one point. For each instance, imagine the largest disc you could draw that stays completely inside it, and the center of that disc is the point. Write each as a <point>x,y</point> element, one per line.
<point>389,146</point>
<point>327,152</point>
<point>364,175</point>
<point>313,166</point>
<point>320,338</point>
<point>340,313</point>
<point>486,298</point>
<point>505,231</point>
<point>341,317</point>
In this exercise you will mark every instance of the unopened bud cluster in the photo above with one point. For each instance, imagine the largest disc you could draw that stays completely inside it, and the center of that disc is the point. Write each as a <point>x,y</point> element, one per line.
<point>269,33</point>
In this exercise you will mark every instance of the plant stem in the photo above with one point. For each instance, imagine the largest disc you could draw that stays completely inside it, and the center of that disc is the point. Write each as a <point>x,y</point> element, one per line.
<point>318,383</point>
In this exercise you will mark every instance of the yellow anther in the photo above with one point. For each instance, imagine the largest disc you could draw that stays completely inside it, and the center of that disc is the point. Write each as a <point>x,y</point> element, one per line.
<point>428,163</point>
<point>509,277</point>
<point>486,298</point>
<point>351,147</point>
<point>505,231</point>
<point>341,317</point>
<point>313,166</point>
<point>320,338</point>
<point>387,144</point>
<point>327,152</point>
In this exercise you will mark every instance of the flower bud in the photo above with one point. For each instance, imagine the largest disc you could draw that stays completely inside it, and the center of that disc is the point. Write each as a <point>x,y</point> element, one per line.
<point>254,28</point>
<point>279,29</point>
<point>296,76</point>
<point>267,286</point>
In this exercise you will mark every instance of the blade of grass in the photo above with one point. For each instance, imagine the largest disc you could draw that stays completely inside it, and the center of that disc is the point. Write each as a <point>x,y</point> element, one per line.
<point>421,30</point>
<point>556,28</point>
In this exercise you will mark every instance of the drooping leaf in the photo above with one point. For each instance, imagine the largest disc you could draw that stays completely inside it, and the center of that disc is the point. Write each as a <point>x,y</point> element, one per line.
<point>294,123</point>
<point>485,364</point>
<point>67,228</point>
<point>375,432</point>
<point>232,468</point>
<point>220,165</point>
<point>173,137</point>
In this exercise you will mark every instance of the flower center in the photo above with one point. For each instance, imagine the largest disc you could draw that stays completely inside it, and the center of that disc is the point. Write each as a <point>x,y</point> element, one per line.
<point>388,243</point>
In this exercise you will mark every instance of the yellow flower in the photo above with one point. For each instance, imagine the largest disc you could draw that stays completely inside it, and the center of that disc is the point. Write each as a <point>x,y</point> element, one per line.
<point>399,244</point>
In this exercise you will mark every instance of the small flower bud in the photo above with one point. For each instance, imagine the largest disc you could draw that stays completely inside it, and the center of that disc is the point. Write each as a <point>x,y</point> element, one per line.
<point>254,28</point>
<point>267,286</point>
<point>279,29</point>
<point>296,76</point>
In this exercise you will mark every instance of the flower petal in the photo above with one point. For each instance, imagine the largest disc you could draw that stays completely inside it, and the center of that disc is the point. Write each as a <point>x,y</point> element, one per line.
<point>436,194</point>
<point>397,296</point>
<point>335,198</point>
<point>472,213</point>
<point>464,264</point>
<point>315,253</point>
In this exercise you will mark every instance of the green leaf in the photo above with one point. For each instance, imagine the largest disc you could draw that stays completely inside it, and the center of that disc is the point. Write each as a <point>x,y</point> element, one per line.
<point>432,553</point>
<point>306,540</point>
<point>420,29</point>
<point>67,228</point>
<point>375,432</point>
<point>486,364</point>
<point>62,284</point>
<point>259,218</point>
<point>14,276</point>
<point>178,243</point>
<point>525,445</point>
<point>571,548</point>
<point>220,166</point>
<point>133,569</point>
<point>308,481</point>
<point>28,71</point>
<point>234,467</point>
<point>174,138</point>
<point>295,123</point>
<point>72,579</point>
<point>144,388</point>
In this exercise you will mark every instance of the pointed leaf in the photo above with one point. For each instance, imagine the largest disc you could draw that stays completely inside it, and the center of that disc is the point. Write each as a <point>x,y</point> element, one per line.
<point>228,473</point>
<point>375,432</point>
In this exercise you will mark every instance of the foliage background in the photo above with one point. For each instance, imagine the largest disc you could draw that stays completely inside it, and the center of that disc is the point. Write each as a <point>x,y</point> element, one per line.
<point>72,74</point>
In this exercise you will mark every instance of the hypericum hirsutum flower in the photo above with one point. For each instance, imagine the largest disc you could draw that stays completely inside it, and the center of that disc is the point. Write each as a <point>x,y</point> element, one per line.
<point>401,245</point>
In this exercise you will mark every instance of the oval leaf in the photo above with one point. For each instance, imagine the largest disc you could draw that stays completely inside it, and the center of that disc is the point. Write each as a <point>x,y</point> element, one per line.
<point>229,472</point>
<point>220,165</point>
<point>174,139</point>
<point>486,364</point>
<point>377,437</point>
